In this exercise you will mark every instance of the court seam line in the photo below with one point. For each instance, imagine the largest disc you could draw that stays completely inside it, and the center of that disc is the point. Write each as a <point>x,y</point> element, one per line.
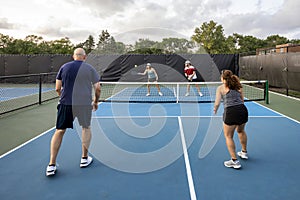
<point>187,162</point>
<point>25,143</point>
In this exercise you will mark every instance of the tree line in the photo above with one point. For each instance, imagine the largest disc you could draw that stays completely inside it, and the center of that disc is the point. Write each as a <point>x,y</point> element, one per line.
<point>208,38</point>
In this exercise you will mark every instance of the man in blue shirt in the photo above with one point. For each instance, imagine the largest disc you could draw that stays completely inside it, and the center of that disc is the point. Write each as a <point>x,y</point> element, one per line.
<point>74,84</point>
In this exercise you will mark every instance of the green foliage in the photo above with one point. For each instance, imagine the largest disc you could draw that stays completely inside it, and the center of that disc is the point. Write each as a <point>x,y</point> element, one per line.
<point>175,45</point>
<point>34,45</point>
<point>108,45</point>
<point>146,51</point>
<point>273,40</point>
<point>208,38</point>
<point>88,45</point>
<point>145,46</point>
<point>248,43</point>
<point>211,37</point>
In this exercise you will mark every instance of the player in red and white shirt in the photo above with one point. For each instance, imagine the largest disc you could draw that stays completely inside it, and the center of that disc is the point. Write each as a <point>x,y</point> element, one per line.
<point>190,74</point>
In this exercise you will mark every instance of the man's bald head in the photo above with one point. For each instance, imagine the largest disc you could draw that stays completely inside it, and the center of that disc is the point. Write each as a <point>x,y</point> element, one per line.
<point>79,54</point>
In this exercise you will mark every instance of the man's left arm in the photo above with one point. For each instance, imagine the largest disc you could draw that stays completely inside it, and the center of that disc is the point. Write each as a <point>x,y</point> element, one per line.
<point>58,86</point>
<point>97,89</point>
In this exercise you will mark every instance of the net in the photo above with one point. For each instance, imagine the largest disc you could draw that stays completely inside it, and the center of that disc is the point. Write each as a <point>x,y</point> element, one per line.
<point>182,92</point>
<point>21,91</point>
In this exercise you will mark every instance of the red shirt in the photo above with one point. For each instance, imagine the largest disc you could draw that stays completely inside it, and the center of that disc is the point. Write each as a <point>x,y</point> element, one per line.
<point>189,70</point>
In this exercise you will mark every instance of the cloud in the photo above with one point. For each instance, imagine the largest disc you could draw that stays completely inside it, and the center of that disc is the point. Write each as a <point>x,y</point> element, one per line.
<point>288,16</point>
<point>217,7</point>
<point>57,28</point>
<point>104,8</point>
<point>283,21</point>
<point>4,24</point>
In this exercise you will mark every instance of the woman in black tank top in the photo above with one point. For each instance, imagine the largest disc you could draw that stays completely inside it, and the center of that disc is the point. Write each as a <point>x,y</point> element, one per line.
<point>235,115</point>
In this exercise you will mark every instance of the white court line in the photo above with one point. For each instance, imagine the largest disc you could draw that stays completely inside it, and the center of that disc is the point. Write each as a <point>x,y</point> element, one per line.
<point>25,143</point>
<point>289,97</point>
<point>29,141</point>
<point>187,162</point>
<point>176,116</point>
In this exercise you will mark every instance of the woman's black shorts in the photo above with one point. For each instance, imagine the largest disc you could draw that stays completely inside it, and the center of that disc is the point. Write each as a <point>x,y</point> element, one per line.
<point>235,115</point>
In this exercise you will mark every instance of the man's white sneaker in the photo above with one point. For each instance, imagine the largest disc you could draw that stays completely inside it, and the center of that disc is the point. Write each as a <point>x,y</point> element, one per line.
<point>234,164</point>
<point>50,171</point>
<point>86,161</point>
<point>242,155</point>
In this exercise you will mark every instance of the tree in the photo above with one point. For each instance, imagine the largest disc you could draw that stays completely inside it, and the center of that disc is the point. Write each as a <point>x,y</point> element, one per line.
<point>295,41</point>
<point>88,45</point>
<point>5,44</point>
<point>62,46</point>
<point>146,46</point>
<point>108,45</point>
<point>273,40</point>
<point>103,37</point>
<point>211,37</point>
<point>248,43</point>
<point>231,43</point>
<point>175,45</point>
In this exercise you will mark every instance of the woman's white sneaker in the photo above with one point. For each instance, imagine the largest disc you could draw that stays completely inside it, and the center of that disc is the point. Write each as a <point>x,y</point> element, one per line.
<point>234,164</point>
<point>242,154</point>
<point>50,171</point>
<point>86,161</point>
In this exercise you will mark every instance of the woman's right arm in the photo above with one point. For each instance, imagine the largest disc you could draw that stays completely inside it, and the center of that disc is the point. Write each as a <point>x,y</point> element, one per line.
<point>218,99</point>
<point>144,73</point>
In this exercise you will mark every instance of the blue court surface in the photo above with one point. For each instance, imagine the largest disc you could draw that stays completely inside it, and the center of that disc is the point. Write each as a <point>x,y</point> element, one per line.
<point>8,93</point>
<point>160,151</point>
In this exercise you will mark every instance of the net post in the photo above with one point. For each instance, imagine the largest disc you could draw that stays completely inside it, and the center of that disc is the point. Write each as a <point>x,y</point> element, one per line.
<point>40,89</point>
<point>177,95</point>
<point>267,92</point>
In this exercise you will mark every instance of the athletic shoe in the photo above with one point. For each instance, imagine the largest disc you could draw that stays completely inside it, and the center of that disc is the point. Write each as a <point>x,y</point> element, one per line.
<point>200,94</point>
<point>147,94</point>
<point>235,164</point>
<point>160,94</point>
<point>187,94</point>
<point>86,161</point>
<point>50,170</point>
<point>242,155</point>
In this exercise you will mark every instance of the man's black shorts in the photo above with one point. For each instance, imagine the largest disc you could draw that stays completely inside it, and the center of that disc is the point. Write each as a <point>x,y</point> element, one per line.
<point>235,115</point>
<point>67,113</point>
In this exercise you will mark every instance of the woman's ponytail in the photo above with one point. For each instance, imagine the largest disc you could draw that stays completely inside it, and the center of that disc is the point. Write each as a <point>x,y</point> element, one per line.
<point>232,81</point>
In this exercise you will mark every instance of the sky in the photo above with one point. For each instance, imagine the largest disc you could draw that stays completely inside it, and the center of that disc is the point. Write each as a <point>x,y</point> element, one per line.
<point>129,20</point>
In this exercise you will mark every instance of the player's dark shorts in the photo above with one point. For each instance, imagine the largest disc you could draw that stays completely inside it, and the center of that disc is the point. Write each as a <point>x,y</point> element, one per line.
<point>67,113</point>
<point>235,115</point>
<point>192,80</point>
<point>152,79</point>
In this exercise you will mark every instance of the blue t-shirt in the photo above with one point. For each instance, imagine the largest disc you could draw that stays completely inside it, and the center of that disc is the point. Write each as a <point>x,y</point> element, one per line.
<point>77,79</point>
